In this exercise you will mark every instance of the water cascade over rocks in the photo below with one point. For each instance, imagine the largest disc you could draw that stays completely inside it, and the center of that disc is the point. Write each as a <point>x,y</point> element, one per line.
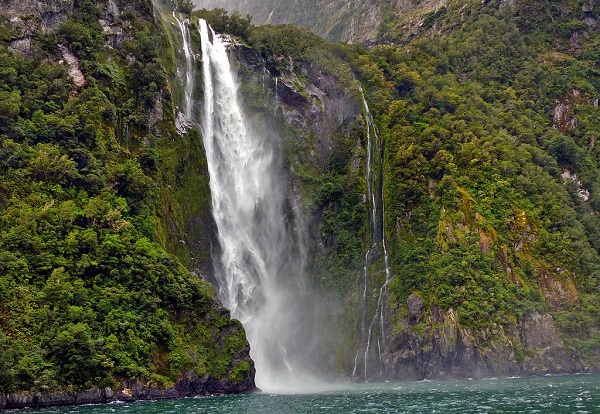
<point>259,264</point>
<point>368,362</point>
<point>189,79</point>
<point>259,270</point>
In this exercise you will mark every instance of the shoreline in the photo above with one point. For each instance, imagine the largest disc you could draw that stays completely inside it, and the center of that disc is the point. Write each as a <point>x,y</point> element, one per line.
<point>129,392</point>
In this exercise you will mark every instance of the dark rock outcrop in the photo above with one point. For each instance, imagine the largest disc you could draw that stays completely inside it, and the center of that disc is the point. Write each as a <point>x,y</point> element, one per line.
<point>313,102</point>
<point>32,16</point>
<point>435,346</point>
<point>188,386</point>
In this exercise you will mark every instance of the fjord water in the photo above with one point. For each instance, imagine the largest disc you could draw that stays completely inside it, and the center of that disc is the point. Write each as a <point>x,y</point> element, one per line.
<point>549,395</point>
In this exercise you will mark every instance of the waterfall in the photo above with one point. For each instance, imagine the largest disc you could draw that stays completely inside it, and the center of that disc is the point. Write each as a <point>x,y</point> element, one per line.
<point>190,74</point>
<point>372,334</point>
<point>259,269</point>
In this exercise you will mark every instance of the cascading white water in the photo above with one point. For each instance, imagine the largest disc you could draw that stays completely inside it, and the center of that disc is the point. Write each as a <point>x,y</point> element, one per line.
<point>259,270</point>
<point>375,331</point>
<point>190,74</point>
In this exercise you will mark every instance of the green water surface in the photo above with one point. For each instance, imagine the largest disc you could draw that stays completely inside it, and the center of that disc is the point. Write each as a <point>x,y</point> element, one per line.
<point>551,394</point>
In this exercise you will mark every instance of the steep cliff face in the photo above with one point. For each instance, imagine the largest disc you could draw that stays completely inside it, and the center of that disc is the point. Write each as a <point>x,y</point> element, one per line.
<point>355,21</point>
<point>102,201</point>
<point>31,17</point>
<point>316,112</point>
<point>478,288</point>
<point>434,345</point>
<point>311,100</point>
<point>488,122</point>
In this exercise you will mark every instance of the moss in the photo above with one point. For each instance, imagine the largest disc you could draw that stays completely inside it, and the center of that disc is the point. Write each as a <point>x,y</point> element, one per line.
<point>240,371</point>
<point>90,293</point>
<point>519,352</point>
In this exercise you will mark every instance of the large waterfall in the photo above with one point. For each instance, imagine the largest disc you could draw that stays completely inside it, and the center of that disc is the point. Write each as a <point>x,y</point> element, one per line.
<point>259,271</point>
<point>259,264</point>
<point>372,330</point>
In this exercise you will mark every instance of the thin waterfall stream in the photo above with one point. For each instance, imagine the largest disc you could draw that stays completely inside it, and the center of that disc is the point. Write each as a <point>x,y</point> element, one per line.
<point>372,334</point>
<point>190,73</point>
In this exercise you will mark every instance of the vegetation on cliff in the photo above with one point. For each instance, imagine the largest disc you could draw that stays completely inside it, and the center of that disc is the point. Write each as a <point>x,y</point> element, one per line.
<point>90,179</point>
<point>489,116</point>
<point>492,164</point>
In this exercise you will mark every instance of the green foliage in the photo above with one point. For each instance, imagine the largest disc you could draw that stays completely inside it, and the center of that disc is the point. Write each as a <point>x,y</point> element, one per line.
<point>280,43</point>
<point>184,6</point>
<point>222,22</point>
<point>88,294</point>
<point>284,40</point>
<point>83,40</point>
<point>476,207</point>
<point>240,371</point>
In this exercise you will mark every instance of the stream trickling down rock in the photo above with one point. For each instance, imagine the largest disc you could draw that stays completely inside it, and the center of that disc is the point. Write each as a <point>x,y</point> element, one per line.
<point>372,337</point>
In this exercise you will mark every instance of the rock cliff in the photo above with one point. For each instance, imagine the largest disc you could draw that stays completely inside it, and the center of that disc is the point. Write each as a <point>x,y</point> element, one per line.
<point>116,317</point>
<point>433,345</point>
<point>490,185</point>
<point>354,21</point>
<point>323,122</point>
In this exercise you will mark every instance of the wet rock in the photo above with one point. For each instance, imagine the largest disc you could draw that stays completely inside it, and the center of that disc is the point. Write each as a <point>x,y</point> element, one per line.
<point>190,385</point>
<point>290,95</point>
<point>28,17</point>
<point>248,57</point>
<point>156,111</point>
<point>21,45</point>
<point>540,336</point>
<point>182,123</point>
<point>74,70</point>
<point>313,102</point>
<point>583,193</point>
<point>437,347</point>
<point>415,307</point>
<point>273,71</point>
<point>558,289</point>
<point>34,15</point>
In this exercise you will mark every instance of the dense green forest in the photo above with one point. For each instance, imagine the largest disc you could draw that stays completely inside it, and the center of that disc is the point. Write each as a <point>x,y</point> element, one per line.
<point>486,124</point>
<point>488,115</point>
<point>88,294</point>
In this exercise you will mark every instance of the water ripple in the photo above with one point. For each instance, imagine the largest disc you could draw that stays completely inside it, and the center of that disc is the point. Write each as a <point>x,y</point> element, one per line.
<point>569,394</point>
